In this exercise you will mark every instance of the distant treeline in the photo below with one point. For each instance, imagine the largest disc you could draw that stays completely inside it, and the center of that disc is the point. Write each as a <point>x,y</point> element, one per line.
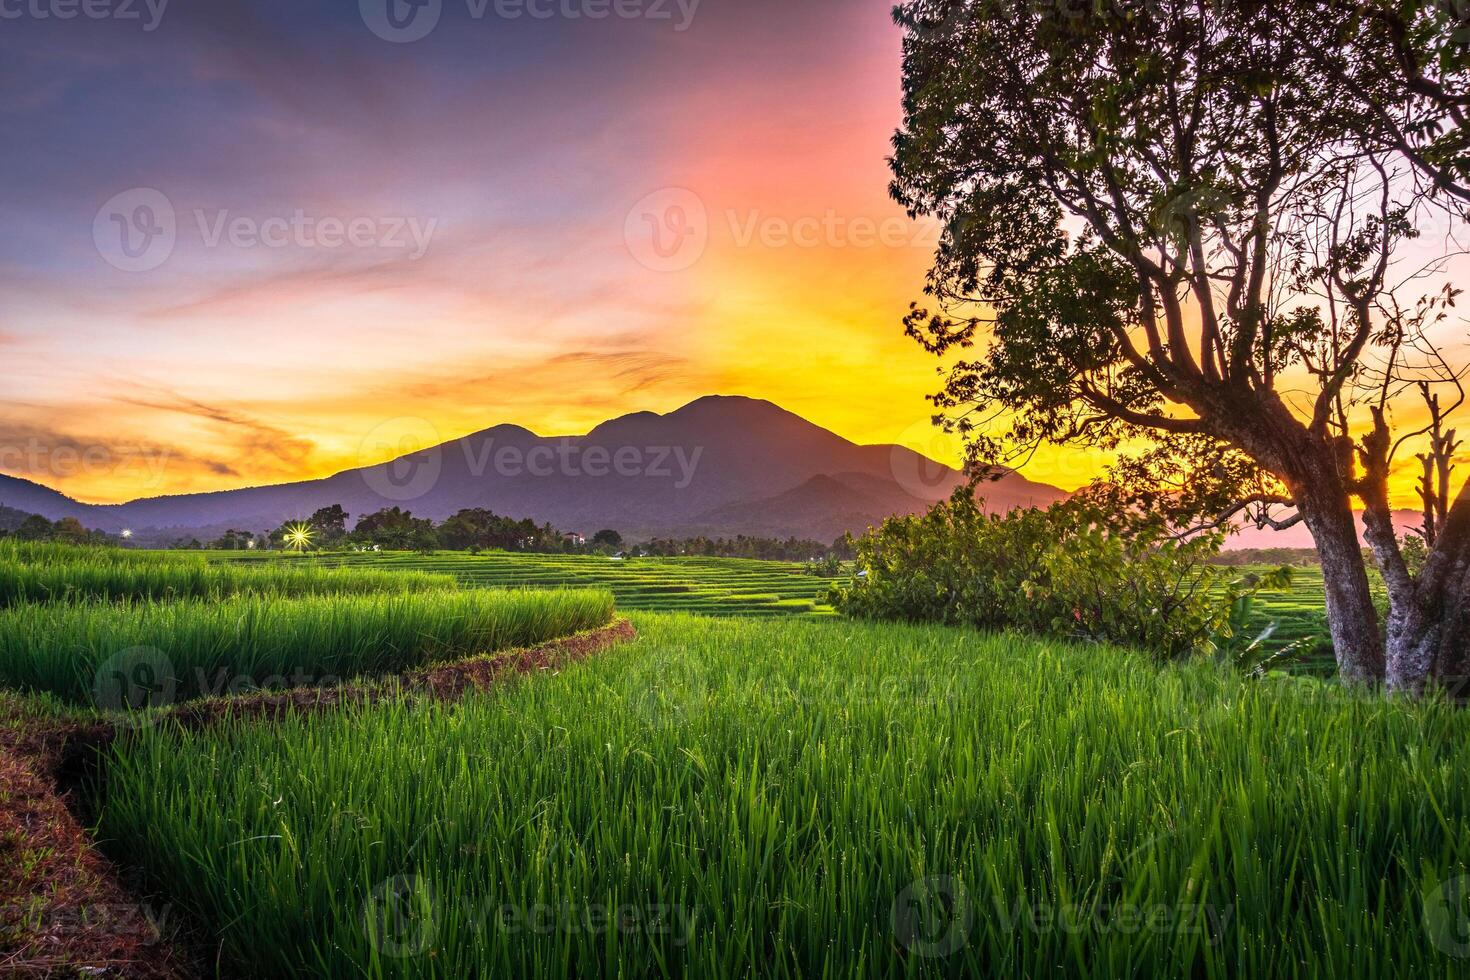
<point>1267,556</point>
<point>21,526</point>
<point>742,546</point>
<point>477,529</point>
<point>473,529</point>
<point>395,529</point>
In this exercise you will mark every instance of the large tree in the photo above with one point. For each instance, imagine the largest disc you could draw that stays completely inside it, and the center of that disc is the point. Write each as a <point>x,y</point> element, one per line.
<point>330,524</point>
<point>1181,230</point>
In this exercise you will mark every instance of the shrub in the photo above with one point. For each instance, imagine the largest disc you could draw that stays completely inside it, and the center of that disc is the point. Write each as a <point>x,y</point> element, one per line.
<point>1082,569</point>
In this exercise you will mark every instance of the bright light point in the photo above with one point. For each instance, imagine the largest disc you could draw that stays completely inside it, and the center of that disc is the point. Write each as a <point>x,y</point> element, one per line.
<point>126,534</point>
<point>298,537</point>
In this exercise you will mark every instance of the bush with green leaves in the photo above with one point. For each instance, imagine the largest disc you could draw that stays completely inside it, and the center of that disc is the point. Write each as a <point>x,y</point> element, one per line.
<point>1082,569</point>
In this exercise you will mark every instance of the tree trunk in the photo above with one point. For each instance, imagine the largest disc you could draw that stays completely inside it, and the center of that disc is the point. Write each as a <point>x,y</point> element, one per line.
<point>1428,639</point>
<point>1317,470</point>
<point>1413,649</point>
<point>1451,668</point>
<point>1351,615</point>
<point>1412,636</point>
<point>1427,631</point>
<point>1448,570</point>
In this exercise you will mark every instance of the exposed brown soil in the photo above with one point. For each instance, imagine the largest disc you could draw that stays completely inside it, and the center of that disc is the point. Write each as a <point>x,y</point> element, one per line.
<point>64,911</point>
<point>448,682</point>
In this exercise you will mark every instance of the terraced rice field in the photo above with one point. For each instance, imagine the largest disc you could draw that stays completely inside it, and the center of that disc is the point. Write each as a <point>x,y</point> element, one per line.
<point>724,796</point>
<point>147,654</point>
<point>35,573</point>
<point>1297,613</point>
<point>746,587</point>
<point>708,586</point>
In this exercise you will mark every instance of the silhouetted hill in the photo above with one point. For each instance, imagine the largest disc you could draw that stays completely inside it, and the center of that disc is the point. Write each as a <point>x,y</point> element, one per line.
<point>32,498</point>
<point>721,465</point>
<point>831,505</point>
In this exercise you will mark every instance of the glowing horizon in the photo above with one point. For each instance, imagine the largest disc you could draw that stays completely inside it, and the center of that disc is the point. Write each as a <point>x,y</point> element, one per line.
<point>541,222</point>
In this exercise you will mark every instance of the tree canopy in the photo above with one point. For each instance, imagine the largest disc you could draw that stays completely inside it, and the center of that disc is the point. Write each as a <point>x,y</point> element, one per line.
<point>1191,232</point>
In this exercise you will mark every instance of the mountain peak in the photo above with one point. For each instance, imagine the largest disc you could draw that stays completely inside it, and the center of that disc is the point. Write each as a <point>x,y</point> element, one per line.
<point>505,430</point>
<point>721,464</point>
<point>728,401</point>
<point>732,406</point>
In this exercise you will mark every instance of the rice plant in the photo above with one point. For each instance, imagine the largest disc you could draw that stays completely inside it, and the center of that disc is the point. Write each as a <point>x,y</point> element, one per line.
<point>788,798</point>
<point>713,586</point>
<point>50,573</point>
<point>142,654</point>
<point>42,552</point>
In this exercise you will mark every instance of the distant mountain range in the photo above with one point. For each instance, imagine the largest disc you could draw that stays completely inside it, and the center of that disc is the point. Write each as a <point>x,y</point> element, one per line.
<point>719,466</point>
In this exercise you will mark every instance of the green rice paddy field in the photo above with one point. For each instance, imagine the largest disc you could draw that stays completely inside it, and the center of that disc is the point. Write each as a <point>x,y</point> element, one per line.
<point>754,786</point>
<point>741,587</point>
<point>728,798</point>
<point>1297,615</point>
<point>709,586</point>
<point>86,653</point>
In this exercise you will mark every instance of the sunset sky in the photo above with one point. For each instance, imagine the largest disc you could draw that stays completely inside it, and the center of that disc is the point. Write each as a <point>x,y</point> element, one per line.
<point>505,176</point>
